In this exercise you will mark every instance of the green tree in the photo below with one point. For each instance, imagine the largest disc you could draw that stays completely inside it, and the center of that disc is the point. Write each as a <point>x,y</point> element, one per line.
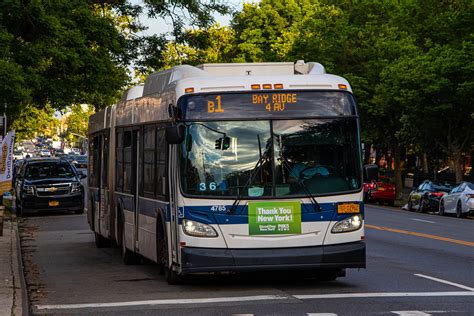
<point>78,119</point>
<point>33,122</point>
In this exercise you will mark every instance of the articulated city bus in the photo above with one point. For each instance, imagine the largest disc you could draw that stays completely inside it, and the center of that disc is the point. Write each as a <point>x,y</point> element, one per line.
<point>231,167</point>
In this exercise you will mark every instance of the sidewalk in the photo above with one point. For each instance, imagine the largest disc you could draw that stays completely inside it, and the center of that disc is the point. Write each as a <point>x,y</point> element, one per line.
<point>11,293</point>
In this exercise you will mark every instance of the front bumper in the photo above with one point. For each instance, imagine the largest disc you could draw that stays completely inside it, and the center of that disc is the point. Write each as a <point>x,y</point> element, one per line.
<point>36,203</point>
<point>349,255</point>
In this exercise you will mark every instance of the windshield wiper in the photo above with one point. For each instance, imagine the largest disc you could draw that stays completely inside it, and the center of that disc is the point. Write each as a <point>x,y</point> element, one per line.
<point>305,188</point>
<point>249,182</point>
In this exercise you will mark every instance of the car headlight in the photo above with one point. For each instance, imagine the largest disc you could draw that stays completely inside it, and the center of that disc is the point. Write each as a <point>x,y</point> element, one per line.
<point>349,224</point>
<point>76,187</point>
<point>29,189</point>
<point>193,228</point>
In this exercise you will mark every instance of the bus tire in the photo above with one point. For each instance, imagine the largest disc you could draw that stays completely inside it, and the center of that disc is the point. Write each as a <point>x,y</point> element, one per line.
<point>129,257</point>
<point>172,277</point>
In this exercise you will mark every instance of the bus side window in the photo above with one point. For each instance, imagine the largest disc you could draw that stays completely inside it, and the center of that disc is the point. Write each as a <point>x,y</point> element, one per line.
<point>148,167</point>
<point>162,172</point>
<point>127,162</point>
<point>119,162</point>
<point>94,178</point>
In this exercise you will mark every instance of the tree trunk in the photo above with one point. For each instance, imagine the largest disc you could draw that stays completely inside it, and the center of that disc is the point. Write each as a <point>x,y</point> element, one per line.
<point>457,166</point>
<point>398,171</point>
<point>425,163</point>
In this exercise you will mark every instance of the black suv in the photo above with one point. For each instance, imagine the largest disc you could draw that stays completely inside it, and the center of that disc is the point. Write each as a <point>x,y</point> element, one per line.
<point>47,184</point>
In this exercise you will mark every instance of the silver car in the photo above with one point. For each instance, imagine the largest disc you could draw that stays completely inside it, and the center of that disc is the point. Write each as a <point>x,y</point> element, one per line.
<point>459,201</point>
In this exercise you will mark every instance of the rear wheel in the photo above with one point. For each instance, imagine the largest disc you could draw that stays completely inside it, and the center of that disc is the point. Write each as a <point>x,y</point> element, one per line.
<point>459,213</point>
<point>421,207</point>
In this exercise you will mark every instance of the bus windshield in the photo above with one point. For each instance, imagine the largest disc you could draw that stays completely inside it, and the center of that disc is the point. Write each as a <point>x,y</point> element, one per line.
<point>271,158</point>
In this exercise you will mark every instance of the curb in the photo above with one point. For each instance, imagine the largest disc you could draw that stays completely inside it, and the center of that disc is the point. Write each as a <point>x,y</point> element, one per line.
<point>21,293</point>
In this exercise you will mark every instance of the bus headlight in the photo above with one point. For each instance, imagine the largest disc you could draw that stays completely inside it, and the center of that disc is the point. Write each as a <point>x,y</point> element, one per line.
<point>197,229</point>
<point>349,224</point>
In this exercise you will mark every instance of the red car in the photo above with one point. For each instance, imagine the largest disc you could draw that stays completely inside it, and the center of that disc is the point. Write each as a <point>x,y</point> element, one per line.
<point>381,191</point>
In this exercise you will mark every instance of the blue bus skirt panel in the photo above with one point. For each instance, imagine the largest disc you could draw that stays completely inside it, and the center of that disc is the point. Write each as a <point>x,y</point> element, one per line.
<point>349,255</point>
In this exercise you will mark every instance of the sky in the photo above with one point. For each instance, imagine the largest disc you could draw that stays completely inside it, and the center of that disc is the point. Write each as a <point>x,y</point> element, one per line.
<point>157,26</point>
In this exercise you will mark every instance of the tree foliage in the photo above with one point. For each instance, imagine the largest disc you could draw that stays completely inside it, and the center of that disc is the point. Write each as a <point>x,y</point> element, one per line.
<point>77,120</point>
<point>33,122</point>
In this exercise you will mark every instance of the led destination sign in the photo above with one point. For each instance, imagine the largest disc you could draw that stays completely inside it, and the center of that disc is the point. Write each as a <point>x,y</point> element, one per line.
<point>265,105</point>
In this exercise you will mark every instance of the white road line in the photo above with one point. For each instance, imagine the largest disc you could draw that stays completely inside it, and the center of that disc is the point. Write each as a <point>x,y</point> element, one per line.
<point>168,302</point>
<point>464,287</point>
<point>410,313</point>
<point>373,295</point>
<point>422,220</point>
<point>252,298</point>
<point>321,314</point>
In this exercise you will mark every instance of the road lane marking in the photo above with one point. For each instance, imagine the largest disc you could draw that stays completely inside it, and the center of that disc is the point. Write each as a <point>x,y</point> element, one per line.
<point>252,298</point>
<point>411,313</point>
<point>387,294</point>
<point>407,232</point>
<point>464,287</point>
<point>168,302</point>
<point>321,314</point>
<point>423,220</point>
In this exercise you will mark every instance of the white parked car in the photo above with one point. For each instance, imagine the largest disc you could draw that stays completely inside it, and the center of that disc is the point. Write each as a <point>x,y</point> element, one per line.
<point>459,201</point>
<point>45,153</point>
<point>18,154</point>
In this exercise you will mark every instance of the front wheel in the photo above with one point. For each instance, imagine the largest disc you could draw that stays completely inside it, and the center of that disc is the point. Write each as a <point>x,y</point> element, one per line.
<point>410,205</point>
<point>172,277</point>
<point>459,213</point>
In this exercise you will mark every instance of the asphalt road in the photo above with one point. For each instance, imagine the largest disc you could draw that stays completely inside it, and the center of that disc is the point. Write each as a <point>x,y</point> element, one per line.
<point>418,264</point>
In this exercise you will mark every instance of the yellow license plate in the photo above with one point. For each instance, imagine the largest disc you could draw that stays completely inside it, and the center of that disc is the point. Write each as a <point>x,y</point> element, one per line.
<point>53,203</point>
<point>381,189</point>
<point>348,208</point>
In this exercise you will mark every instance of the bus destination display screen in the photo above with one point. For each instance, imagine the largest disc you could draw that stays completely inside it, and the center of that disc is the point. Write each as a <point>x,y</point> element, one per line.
<point>267,105</point>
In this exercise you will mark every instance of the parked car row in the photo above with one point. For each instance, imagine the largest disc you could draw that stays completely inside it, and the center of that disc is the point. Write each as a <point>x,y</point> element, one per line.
<point>442,198</point>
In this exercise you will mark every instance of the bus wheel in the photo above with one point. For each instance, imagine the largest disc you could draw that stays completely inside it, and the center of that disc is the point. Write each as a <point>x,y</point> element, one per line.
<point>101,241</point>
<point>172,277</point>
<point>128,256</point>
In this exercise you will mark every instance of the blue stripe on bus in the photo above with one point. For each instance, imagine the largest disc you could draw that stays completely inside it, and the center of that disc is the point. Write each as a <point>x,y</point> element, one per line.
<point>204,214</point>
<point>149,208</point>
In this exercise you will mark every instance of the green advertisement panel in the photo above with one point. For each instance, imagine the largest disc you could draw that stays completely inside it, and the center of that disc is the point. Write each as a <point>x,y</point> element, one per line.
<point>274,218</point>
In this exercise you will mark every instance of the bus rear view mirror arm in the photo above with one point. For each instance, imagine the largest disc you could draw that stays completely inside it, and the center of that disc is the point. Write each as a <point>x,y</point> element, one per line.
<point>175,133</point>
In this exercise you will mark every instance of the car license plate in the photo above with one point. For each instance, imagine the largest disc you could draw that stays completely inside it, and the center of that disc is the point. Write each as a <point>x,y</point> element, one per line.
<point>53,203</point>
<point>348,208</point>
<point>381,189</point>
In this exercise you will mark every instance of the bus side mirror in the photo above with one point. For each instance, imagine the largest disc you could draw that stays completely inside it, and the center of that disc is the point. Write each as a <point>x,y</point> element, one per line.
<point>371,172</point>
<point>175,134</point>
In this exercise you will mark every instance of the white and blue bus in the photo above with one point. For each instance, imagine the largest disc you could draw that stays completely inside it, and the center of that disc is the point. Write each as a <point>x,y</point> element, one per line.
<point>231,167</point>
